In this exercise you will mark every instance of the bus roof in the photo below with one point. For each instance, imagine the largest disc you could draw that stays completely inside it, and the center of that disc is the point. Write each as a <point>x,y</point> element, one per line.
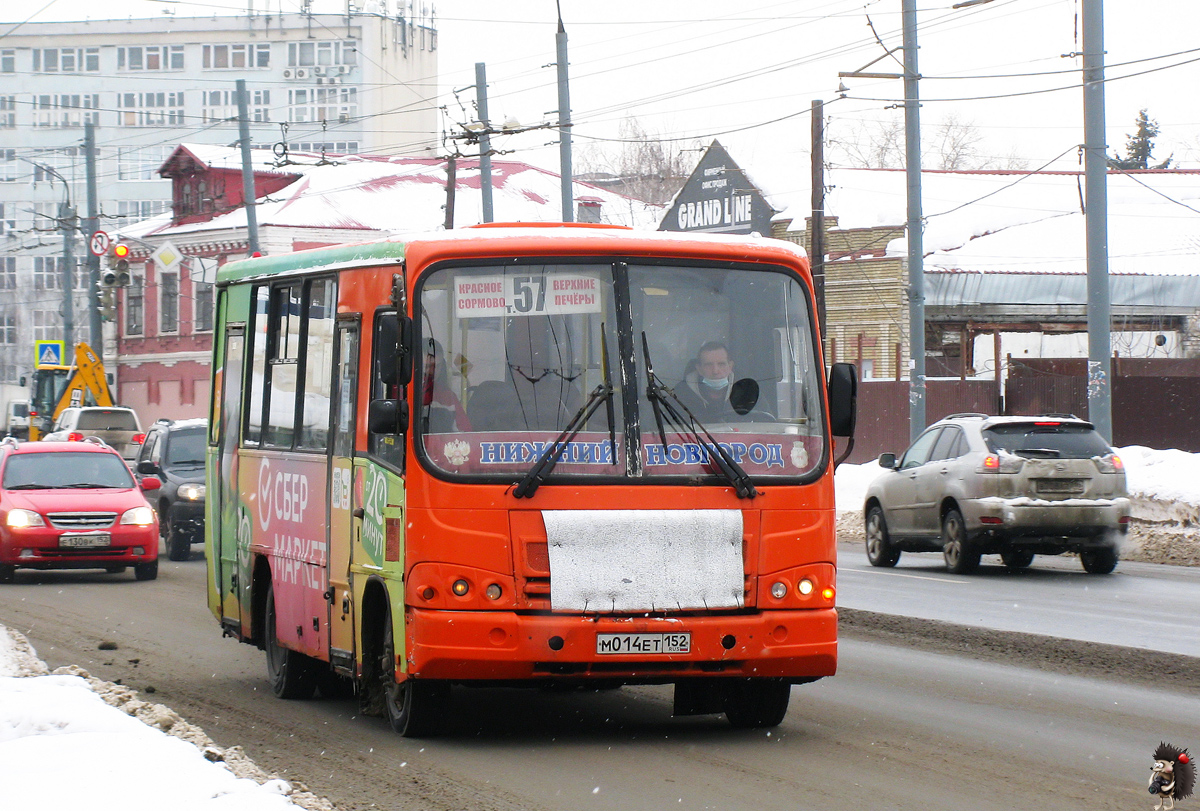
<point>509,238</point>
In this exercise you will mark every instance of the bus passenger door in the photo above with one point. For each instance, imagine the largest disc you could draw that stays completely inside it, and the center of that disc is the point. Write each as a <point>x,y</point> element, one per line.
<point>341,503</point>
<point>231,533</point>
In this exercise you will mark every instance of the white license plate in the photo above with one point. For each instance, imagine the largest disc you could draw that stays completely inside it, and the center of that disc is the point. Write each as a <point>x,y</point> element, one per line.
<point>644,643</point>
<point>1060,486</point>
<point>85,540</point>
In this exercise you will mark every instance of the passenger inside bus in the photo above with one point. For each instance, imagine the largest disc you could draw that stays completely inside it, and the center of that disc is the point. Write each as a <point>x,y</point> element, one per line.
<point>442,411</point>
<point>539,392</point>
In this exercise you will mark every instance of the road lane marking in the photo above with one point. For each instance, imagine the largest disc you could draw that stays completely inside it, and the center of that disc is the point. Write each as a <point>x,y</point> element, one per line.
<point>843,572</point>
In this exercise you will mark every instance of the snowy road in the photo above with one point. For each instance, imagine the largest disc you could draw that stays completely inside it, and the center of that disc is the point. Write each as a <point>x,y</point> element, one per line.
<point>897,728</point>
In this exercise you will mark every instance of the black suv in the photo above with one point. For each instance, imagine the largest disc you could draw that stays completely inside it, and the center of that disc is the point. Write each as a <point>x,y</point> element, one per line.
<point>174,452</point>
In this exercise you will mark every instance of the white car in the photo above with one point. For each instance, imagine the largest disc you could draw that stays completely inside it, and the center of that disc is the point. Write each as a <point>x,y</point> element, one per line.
<point>118,427</point>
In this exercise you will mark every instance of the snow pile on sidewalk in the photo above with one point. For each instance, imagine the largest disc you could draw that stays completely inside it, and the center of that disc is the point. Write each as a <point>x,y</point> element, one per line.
<point>69,741</point>
<point>1164,485</point>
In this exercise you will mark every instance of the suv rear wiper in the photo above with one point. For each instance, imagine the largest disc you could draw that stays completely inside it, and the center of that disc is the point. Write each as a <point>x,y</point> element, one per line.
<point>549,457</point>
<point>664,401</point>
<point>1051,453</point>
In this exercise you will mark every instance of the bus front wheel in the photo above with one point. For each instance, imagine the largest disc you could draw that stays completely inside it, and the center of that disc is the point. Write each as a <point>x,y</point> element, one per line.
<point>757,703</point>
<point>414,708</point>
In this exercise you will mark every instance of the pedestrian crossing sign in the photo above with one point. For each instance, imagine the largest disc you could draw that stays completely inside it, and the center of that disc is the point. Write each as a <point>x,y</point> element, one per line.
<point>48,353</point>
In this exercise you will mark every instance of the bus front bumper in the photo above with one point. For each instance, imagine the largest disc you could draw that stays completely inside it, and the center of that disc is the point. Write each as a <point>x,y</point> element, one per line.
<point>469,646</point>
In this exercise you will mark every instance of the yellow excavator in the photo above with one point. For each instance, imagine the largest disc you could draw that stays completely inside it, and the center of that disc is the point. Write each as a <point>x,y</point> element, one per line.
<point>56,388</point>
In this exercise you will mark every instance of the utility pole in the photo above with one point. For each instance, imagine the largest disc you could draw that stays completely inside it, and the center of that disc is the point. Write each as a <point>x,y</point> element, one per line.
<point>1095,168</point>
<point>248,194</point>
<point>817,240</point>
<point>916,257</point>
<point>485,142</point>
<point>564,122</point>
<point>451,187</point>
<point>90,226</point>
<point>66,224</point>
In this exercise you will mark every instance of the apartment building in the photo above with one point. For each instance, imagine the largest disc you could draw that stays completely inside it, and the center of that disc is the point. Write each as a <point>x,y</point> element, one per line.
<point>337,83</point>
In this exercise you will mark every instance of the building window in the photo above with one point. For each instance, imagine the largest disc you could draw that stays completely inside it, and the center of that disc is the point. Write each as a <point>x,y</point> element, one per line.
<point>47,272</point>
<point>222,105</point>
<point>240,57</point>
<point>157,57</point>
<point>65,60</point>
<point>47,325</point>
<point>150,109</point>
<point>73,110</point>
<point>312,54</point>
<point>8,329</point>
<point>134,306</point>
<point>8,112</point>
<point>330,147</point>
<point>131,211</point>
<point>8,61</point>
<point>8,165</point>
<point>203,322</point>
<point>8,225</point>
<point>168,302</point>
<point>8,273</point>
<point>331,104</point>
<point>142,163</point>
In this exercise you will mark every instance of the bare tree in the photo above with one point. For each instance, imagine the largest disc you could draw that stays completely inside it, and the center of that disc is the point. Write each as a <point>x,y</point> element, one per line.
<point>952,144</point>
<point>641,166</point>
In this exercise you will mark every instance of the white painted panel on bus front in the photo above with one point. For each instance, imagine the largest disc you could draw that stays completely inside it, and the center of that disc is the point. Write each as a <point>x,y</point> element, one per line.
<point>644,560</point>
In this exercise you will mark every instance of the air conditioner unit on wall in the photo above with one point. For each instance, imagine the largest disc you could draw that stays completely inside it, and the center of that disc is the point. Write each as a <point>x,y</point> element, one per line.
<point>318,71</point>
<point>301,73</point>
<point>287,74</point>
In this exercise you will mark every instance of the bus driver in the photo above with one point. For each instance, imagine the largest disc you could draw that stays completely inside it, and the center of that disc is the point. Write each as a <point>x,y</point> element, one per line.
<point>706,386</point>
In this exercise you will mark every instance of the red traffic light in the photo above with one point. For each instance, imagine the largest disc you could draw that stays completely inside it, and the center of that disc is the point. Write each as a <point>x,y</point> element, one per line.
<point>121,251</point>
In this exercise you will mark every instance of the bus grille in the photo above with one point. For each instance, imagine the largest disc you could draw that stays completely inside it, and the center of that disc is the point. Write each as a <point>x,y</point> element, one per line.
<point>81,520</point>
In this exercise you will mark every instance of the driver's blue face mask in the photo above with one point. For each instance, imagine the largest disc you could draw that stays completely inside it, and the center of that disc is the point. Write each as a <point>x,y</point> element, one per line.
<point>719,383</point>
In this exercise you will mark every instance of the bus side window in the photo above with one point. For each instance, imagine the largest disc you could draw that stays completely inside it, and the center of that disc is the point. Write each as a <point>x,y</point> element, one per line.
<point>387,412</point>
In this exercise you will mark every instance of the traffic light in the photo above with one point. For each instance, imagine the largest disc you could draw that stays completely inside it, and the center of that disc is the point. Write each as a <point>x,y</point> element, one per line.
<point>117,274</point>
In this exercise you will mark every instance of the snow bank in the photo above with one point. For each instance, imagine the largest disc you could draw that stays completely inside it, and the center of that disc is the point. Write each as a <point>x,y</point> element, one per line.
<point>70,741</point>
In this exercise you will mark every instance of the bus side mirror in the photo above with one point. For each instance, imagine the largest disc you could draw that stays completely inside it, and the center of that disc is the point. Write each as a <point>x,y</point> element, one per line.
<point>393,337</point>
<point>387,417</point>
<point>843,399</point>
<point>743,395</point>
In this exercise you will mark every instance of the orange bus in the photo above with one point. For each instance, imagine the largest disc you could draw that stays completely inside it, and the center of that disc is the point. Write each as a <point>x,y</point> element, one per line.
<point>526,455</point>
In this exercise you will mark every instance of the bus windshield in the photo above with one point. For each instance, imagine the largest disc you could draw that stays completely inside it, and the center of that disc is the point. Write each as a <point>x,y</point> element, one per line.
<point>509,355</point>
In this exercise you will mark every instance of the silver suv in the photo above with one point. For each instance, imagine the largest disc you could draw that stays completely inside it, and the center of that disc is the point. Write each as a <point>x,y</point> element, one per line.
<point>973,485</point>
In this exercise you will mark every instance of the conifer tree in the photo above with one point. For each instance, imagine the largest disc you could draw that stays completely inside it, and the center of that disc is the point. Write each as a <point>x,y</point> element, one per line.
<point>1140,146</point>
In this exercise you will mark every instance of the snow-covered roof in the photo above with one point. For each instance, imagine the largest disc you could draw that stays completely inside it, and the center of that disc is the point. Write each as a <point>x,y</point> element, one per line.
<point>1022,222</point>
<point>389,194</point>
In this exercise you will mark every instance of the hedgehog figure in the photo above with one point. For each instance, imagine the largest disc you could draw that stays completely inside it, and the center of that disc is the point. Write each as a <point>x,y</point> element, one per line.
<point>1172,777</point>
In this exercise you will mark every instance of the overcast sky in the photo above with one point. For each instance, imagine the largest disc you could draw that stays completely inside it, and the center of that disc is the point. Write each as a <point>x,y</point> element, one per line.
<point>747,73</point>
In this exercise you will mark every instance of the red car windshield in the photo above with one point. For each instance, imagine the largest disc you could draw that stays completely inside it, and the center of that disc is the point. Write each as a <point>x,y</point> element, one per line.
<point>66,470</point>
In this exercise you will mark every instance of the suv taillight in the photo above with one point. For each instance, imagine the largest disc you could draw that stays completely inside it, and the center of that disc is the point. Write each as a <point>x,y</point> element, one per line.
<point>75,436</point>
<point>1001,463</point>
<point>138,439</point>
<point>1110,464</point>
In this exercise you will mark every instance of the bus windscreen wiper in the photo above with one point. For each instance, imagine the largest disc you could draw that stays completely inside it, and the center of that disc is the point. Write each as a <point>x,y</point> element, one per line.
<point>554,451</point>
<point>666,403</point>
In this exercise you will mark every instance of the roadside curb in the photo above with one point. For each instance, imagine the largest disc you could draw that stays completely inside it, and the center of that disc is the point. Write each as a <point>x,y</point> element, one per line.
<point>1148,668</point>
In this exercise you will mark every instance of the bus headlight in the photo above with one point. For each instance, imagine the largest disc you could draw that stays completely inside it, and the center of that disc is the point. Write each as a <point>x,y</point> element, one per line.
<point>460,588</point>
<point>779,590</point>
<point>805,587</point>
<point>138,516</point>
<point>24,518</point>
<point>493,591</point>
<point>191,492</point>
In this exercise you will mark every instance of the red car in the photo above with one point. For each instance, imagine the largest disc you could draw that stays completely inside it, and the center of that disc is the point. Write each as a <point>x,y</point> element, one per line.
<point>73,505</point>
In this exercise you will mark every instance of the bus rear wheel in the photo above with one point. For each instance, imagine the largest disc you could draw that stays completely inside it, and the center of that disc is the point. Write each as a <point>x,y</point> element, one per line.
<point>290,672</point>
<point>757,703</point>
<point>415,708</point>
